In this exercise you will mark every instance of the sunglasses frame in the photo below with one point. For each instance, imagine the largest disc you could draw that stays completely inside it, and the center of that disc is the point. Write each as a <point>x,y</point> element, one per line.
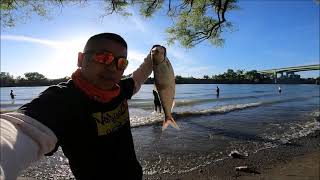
<point>106,57</point>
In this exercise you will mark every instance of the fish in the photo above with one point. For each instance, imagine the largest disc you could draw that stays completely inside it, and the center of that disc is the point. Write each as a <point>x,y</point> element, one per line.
<point>164,81</point>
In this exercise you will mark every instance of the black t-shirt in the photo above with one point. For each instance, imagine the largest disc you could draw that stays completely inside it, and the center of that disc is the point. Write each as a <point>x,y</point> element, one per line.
<point>95,137</point>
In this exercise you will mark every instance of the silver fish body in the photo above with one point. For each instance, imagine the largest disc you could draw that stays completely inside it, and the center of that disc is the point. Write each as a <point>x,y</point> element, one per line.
<point>164,81</point>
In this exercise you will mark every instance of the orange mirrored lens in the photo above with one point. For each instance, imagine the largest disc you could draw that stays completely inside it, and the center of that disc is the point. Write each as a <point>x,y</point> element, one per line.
<point>122,63</point>
<point>99,58</point>
<point>105,58</point>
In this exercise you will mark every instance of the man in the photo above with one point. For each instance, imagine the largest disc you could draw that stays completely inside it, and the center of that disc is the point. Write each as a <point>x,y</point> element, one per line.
<point>218,91</point>
<point>87,116</point>
<point>279,90</point>
<point>156,101</point>
<point>12,95</point>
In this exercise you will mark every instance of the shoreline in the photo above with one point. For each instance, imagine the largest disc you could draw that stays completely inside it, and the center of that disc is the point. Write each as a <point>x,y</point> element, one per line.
<point>296,160</point>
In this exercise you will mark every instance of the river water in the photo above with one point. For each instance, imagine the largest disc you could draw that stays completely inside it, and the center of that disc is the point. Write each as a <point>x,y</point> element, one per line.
<point>246,118</point>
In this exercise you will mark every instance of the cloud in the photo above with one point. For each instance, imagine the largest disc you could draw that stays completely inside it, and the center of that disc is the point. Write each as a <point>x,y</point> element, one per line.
<point>135,58</point>
<point>70,43</point>
<point>50,43</point>
<point>62,55</point>
<point>136,20</point>
<point>134,55</point>
<point>194,71</point>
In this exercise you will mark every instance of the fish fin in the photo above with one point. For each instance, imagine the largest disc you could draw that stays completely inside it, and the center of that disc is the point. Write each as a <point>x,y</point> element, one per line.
<point>173,104</point>
<point>168,122</point>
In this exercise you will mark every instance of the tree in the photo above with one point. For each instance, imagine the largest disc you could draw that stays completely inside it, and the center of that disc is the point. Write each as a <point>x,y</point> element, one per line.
<point>230,75</point>
<point>194,20</point>
<point>178,77</point>
<point>20,10</point>
<point>205,77</point>
<point>6,79</point>
<point>253,76</point>
<point>240,75</point>
<point>34,76</point>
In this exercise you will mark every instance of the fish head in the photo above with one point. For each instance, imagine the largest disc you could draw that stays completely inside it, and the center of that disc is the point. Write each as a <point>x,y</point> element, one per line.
<point>158,54</point>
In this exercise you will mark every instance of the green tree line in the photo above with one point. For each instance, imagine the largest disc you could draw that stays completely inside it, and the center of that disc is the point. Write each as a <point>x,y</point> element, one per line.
<point>29,79</point>
<point>228,77</point>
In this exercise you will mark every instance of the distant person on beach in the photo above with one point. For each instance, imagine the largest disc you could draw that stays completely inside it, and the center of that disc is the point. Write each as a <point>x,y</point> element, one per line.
<point>87,117</point>
<point>279,90</point>
<point>156,101</point>
<point>218,91</point>
<point>12,95</point>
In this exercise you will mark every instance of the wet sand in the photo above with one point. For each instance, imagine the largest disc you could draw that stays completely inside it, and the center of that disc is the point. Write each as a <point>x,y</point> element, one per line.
<point>297,160</point>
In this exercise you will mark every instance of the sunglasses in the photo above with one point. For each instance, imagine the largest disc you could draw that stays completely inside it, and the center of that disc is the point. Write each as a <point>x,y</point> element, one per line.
<point>106,57</point>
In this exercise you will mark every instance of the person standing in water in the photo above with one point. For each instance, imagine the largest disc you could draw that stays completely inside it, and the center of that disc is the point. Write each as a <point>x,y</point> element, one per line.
<point>156,101</point>
<point>279,90</point>
<point>12,95</point>
<point>218,91</point>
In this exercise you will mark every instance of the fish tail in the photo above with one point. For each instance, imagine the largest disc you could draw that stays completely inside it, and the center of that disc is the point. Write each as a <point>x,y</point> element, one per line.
<point>168,122</point>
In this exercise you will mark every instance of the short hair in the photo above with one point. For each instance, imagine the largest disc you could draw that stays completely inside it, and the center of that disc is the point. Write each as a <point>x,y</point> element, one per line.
<point>110,36</point>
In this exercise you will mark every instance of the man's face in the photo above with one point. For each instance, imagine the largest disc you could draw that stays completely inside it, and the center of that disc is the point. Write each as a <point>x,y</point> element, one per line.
<point>102,76</point>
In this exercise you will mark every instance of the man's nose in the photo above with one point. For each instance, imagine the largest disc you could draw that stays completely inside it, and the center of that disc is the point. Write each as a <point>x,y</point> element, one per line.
<point>111,67</point>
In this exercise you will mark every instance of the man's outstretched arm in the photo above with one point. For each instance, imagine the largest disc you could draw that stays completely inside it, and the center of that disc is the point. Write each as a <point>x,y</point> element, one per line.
<point>141,74</point>
<point>23,140</point>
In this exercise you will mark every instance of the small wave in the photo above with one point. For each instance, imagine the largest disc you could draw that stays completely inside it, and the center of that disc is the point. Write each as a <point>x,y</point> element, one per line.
<point>217,110</point>
<point>146,119</point>
<point>149,119</point>
<point>203,164</point>
<point>148,103</point>
<point>296,130</point>
<point>316,115</point>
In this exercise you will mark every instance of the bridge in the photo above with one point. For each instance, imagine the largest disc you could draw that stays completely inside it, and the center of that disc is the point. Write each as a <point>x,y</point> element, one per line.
<point>289,70</point>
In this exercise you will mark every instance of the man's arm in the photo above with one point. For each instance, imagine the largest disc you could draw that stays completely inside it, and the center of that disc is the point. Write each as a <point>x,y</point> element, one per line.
<point>23,141</point>
<point>141,74</point>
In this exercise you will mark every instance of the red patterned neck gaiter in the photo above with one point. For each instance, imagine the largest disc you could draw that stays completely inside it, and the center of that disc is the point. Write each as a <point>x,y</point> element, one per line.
<point>93,92</point>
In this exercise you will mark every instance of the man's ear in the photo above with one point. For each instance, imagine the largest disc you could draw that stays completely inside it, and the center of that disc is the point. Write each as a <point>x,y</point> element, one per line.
<point>80,59</point>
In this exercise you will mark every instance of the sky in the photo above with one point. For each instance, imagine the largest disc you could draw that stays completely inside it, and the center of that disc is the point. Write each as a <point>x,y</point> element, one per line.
<point>266,34</point>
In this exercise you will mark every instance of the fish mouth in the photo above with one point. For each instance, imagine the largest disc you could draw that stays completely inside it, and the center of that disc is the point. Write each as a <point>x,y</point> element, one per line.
<point>154,51</point>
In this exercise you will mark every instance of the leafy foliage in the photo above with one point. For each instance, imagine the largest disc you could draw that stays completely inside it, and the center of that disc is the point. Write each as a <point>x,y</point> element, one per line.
<point>6,78</point>
<point>20,10</point>
<point>194,20</point>
<point>34,76</point>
